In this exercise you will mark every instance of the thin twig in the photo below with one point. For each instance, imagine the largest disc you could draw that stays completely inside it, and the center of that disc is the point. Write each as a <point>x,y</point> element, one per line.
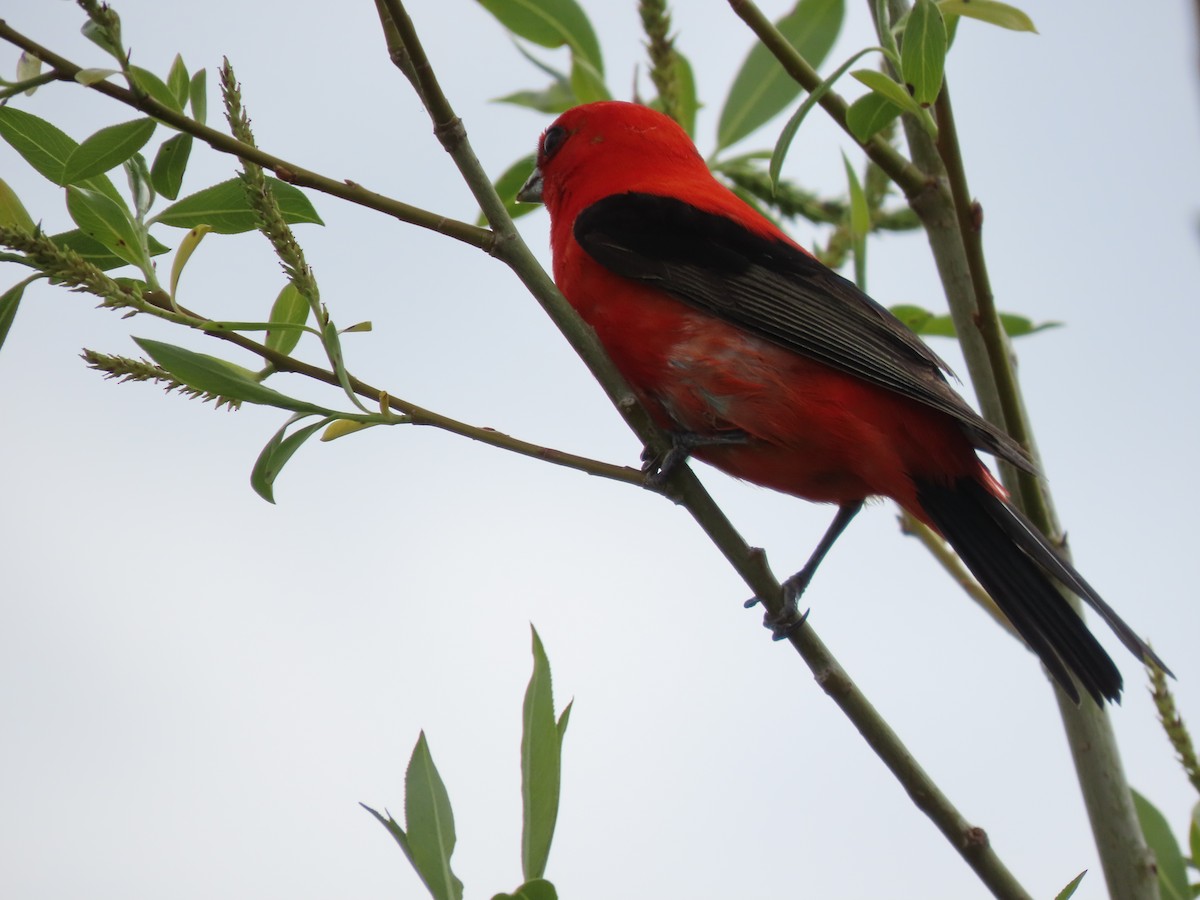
<point>65,70</point>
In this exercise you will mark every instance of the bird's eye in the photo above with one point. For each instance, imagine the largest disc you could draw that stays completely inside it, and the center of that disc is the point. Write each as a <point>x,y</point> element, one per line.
<point>552,140</point>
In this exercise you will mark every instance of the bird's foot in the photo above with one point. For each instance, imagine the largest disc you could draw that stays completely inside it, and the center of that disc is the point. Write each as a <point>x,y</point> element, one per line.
<point>659,467</point>
<point>787,620</point>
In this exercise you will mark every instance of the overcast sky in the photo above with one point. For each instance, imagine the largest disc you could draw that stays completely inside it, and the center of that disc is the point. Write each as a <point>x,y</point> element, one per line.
<point>197,688</point>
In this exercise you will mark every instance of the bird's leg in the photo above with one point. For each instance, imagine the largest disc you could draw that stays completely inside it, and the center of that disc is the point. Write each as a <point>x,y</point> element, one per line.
<point>660,467</point>
<point>789,618</point>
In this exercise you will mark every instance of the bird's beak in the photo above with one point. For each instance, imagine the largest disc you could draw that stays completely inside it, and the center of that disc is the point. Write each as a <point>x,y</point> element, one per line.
<point>531,190</point>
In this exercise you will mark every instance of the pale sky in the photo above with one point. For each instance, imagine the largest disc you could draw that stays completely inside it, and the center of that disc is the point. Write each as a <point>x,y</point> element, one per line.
<point>197,688</point>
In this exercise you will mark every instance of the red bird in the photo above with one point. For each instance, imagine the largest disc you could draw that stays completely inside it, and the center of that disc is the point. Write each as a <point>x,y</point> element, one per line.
<point>768,365</point>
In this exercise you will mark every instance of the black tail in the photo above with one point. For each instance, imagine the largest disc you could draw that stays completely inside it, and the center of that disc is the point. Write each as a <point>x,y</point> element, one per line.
<point>1020,569</point>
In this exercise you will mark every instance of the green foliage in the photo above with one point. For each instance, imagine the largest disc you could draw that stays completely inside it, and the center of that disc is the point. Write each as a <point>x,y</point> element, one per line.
<point>427,837</point>
<point>1073,885</point>
<point>762,89</point>
<point>1172,872</point>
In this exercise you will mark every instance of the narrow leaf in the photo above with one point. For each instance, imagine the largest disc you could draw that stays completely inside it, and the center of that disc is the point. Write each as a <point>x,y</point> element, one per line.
<point>556,98</point>
<point>1069,891</point>
<point>788,134</point>
<point>541,758</point>
<point>96,253</point>
<point>762,88</point>
<point>224,207</point>
<point>12,211</point>
<point>88,77</point>
<point>42,145</point>
<point>107,149</point>
<point>100,36</point>
<point>290,308</point>
<point>198,94</point>
<point>870,114</point>
<point>187,247</point>
<point>888,89</point>
<point>923,52</point>
<point>153,86</point>
<point>170,162</point>
<point>106,221</point>
<point>550,23</point>
<point>860,224</point>
<point>9,301</point>
<point>46,148</point>
<point>1172,874</point>
<point>507,186</point>
<point>342,427</point>
<point>216,376</point>
<point>277,452</point>
<point>990,11</point>
<point>394,830</point>
<point>689,102</point>
<point>177,81</point>
<point>430,823</point>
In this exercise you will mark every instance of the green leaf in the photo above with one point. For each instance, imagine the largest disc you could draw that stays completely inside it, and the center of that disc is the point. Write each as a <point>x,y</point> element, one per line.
<point>1194,836</point>
<point>923,52</point>
<point>96,253</point>
<point>170,162</point>
<point>396,832</point>
<point>536,889</point>
<point>9,301</point>
<point>177,81</point>
<point>689,103</point>
<point>509,183</point>
<point>198,94</point>
<point>870,114</point>
<point>788,134</point>
<point>41,144</point>
<point>107,149</point>
<point>888,89</point>
<point>430,822</point>
<point>138,174</point>
<point>12,212</point>
<point>224,206</point>
<point>153,86</point>
<point>108,222</point>
<point>550,23</point>
<point>187,247</point>
<point>762,88</point>
<point>859,224</point>
<point>1069,891</point>
<point>1172,874</point>
<point>587,82</point>
<point>88,77</point>
<point>290,308</point>
<point>100,36</point>
<point>216,376</point>
<point>46,148</point>
<point>541,764</point>
<point>556,98</point>
<point>1019,326</point>
<point>277,452</point>
<point>990,11</point>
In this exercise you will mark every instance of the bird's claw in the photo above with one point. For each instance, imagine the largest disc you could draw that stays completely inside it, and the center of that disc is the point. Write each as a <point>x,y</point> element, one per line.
<point>659,467</point>
<point>783,623</point>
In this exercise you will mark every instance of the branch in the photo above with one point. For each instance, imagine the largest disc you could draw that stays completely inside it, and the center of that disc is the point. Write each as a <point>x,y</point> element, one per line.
<point>750,563</point>
<point>62,69</point>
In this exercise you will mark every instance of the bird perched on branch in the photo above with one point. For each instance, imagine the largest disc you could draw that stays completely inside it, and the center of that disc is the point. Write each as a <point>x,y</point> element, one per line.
<point>763,362</point>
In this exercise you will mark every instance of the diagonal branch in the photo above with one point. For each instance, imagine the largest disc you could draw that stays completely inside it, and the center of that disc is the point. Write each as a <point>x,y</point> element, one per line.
<point>63,69</point>
<point>750,564</point>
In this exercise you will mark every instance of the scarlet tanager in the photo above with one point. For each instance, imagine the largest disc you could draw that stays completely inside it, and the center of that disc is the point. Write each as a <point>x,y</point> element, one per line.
<point>765,363</point>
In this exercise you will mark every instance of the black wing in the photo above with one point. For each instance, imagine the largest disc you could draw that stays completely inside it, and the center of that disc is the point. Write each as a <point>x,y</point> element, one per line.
<point>777,292</point>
